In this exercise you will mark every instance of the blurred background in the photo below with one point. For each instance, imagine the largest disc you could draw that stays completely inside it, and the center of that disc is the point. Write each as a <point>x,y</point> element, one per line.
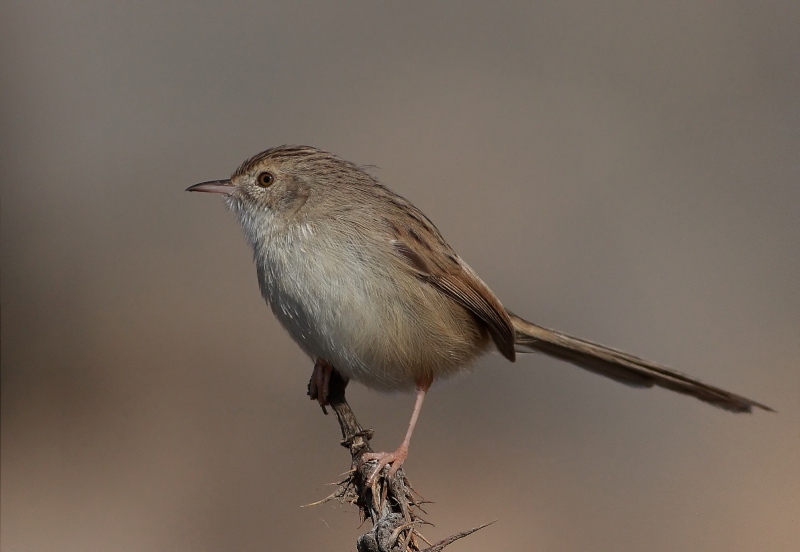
<point>628,172</point>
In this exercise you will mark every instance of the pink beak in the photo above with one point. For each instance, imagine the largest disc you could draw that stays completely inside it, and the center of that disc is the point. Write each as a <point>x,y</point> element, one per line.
<point>213,187</point>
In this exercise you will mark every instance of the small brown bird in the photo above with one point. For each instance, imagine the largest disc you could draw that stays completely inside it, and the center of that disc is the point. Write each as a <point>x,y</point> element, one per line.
<point>365,284</point>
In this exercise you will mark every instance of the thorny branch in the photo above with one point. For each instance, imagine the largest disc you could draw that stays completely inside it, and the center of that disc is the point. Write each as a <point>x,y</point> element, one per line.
<point>391,505</point>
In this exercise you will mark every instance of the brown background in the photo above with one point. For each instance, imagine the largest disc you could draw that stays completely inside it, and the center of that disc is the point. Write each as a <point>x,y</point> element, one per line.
<point>629,172</point>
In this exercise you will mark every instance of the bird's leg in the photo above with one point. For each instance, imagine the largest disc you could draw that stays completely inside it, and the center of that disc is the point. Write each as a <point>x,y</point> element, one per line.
<point>399,456</point>
<point>318,384</point>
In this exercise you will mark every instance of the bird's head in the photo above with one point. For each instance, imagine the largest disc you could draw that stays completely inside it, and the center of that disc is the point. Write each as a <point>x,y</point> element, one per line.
<point>280,181</point>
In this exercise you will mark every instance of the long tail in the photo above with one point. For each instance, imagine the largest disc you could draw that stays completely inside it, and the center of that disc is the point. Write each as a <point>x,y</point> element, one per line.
<point>623,367</point>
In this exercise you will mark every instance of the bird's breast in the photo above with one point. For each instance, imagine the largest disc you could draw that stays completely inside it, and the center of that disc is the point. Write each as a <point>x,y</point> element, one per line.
<point>353,305</point>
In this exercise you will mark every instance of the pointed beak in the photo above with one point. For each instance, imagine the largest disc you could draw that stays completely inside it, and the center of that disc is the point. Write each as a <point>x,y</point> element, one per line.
<point>213,187</point>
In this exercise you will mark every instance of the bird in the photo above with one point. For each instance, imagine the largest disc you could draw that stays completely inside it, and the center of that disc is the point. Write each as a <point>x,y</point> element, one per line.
<point>366,285</point>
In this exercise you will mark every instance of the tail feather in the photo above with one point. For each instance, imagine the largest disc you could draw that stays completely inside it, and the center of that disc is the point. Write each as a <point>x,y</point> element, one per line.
<point>624,367</point>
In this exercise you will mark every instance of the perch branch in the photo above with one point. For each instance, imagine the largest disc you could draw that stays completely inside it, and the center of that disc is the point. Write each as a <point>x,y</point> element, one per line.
<point>390,504</point>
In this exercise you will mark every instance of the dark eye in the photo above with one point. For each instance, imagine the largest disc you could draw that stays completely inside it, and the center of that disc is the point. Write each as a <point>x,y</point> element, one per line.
<point>265,179</point>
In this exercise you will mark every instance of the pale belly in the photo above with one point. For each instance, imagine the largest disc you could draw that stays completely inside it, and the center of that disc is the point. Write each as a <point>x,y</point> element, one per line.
<point>380,327</point>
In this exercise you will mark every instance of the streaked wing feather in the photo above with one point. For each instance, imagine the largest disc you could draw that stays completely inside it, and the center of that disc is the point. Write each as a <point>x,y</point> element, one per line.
<point>471,293</point>
<point>436,264</point>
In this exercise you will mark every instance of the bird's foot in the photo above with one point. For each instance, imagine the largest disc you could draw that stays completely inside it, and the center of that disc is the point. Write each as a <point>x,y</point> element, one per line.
<point>395,459</point>
<point>319,382</point>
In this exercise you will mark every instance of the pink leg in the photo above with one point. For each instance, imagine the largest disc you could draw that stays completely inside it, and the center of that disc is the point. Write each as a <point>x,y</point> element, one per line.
<point>399,456</point>
<point>320,380</point>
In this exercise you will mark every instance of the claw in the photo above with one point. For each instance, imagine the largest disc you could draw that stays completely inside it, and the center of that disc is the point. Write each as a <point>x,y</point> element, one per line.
<point>319,383</point>
<point>395,459</point>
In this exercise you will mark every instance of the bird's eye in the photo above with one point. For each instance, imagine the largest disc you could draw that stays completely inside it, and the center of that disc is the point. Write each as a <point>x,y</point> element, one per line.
<point>265,179</point>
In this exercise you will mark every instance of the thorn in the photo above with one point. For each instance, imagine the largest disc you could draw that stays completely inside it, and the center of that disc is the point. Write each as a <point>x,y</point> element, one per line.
<point>451,539</point>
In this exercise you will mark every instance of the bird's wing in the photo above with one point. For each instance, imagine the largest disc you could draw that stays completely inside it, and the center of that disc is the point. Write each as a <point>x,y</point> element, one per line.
<point>434,262</point>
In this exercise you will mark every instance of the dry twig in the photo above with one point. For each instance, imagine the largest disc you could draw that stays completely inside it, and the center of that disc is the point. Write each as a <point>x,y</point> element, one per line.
<point>391,505</point>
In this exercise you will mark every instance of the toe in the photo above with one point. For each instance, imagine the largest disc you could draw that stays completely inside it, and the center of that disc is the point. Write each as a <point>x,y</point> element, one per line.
<point>394,459</point>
